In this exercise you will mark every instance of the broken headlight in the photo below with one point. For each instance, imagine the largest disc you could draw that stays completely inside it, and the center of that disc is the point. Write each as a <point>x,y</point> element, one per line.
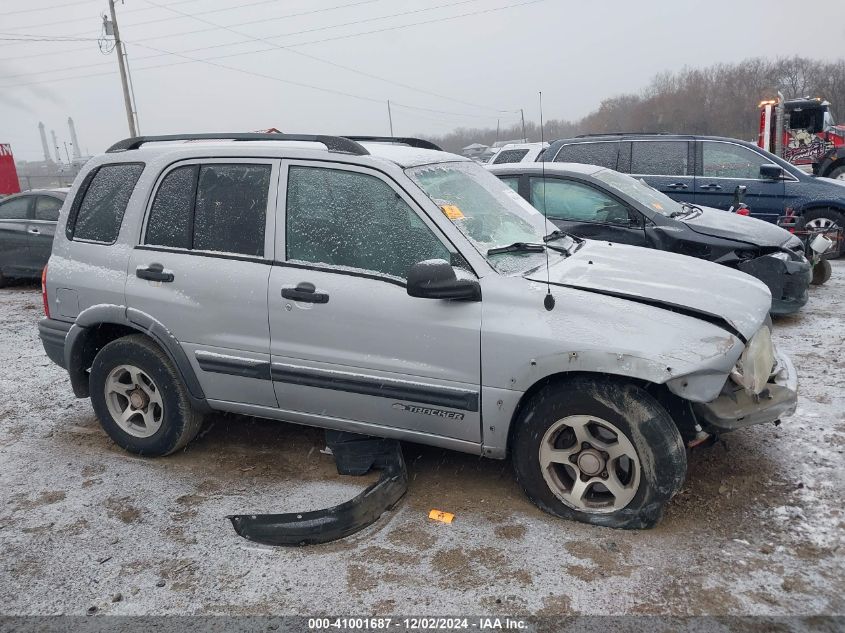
<point>755,365</point>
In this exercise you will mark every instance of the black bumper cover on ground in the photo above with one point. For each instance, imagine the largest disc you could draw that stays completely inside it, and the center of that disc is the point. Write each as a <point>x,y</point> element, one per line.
<point>354,455</point>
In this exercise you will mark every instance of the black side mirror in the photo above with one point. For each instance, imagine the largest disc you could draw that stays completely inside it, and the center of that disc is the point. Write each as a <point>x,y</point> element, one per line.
<point>771,172</point>
<point>436,279</point>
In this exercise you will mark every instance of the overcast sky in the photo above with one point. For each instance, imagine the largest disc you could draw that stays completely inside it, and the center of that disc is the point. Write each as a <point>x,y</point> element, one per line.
<point>460,62</point>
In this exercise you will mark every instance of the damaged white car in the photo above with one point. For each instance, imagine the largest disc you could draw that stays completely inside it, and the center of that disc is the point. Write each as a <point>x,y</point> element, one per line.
<point>393,290</point>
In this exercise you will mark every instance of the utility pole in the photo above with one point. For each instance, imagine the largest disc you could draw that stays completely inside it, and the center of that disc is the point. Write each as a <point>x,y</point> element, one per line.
<point>497,130</point>
<point>130,118</point>
<point>522,114</point>
<point>390,117</point>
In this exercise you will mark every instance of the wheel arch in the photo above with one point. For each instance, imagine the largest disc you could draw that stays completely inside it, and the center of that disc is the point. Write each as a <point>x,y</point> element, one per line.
<point>99,325</point>
<point>679,410</point>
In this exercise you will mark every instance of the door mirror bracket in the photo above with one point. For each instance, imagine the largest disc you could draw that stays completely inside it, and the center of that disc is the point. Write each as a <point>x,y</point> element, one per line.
<point>436,279</point>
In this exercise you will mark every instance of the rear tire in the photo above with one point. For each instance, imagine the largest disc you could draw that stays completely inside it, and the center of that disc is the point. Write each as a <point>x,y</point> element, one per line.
<point>139,398</point>
<point>821,272</point>
<point>826,219</point>
<point>569,464</point>
<point>3,280</point>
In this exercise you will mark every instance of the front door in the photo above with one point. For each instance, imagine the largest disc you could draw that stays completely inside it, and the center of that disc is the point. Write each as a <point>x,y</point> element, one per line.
<point>665,165</point>
<point>726,166</point>
<point>583,210</point>
<point>347,341</point>
<point>202,269</point>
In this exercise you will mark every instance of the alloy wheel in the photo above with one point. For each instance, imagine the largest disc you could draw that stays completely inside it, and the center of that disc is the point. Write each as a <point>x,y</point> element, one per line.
<point>589,464</point>
<point>134,401</point>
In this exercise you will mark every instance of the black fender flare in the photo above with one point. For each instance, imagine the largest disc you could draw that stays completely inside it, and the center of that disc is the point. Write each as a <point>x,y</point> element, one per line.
<point>79,341</point>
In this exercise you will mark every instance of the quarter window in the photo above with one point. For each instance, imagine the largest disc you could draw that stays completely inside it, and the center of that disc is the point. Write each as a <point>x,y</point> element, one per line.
<point>601,154</point>
<point>15,209</point>
<point>725,160</point>
<point>47,208</point>
<point>660,158</point>
<point>355,220</point>
<point>568,200</point>
<point>219,207</point>
<point>101,212</point>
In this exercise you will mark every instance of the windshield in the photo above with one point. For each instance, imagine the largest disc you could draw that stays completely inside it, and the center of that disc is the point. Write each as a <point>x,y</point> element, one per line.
<point>488,212</point>
<point>640,191</point>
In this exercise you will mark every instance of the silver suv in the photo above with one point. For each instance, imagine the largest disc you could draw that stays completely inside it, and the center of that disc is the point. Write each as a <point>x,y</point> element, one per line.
<point>394,290</point>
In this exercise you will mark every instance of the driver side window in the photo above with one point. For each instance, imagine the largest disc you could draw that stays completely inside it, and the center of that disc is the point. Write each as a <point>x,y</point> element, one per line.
<point>568,200</point>
<point>354,220</point>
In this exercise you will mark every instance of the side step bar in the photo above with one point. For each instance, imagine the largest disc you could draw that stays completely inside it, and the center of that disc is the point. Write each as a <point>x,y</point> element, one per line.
<point>354,455</point>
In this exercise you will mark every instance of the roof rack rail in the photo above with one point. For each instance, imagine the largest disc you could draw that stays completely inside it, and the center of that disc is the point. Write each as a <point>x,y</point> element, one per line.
<point>623,134</point>
<point>400,140</point>
<point>332,143</point>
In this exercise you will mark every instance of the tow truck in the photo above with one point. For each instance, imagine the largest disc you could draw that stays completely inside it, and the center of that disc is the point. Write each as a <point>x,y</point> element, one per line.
<point>803,132</point>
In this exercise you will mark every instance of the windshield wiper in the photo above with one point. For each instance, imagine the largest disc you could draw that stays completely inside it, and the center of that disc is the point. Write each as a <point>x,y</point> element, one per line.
<point>688,208</point>
<point>555,235</point>
<point>517,247</point>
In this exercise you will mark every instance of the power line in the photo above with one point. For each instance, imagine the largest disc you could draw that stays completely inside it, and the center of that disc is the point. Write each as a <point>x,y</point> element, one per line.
<point>318,41</point>
<point>54,6</point>
<point>221,10</point>
<point>39,38</point>
<point>329,62</point>
<point>212,61</point>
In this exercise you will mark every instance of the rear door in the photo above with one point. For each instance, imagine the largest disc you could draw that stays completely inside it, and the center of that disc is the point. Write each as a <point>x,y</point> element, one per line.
<point>14,239</point>
<point>201,269</point>
<point>42,229</point>
<point>347,341</point>
<point>585,211</point>
<point>726,166</point>
<point>667,165</point>
<point>600,153</point>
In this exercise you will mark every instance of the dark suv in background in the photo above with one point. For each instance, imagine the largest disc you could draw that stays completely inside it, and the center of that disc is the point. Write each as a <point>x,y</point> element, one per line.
<point>706,170</point>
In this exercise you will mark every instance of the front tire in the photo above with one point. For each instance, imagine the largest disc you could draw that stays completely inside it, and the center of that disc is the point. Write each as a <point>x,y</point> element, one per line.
<point>838,173</point>
<point>598,451</point>
<point>139,398</point>
<point>821,272</point>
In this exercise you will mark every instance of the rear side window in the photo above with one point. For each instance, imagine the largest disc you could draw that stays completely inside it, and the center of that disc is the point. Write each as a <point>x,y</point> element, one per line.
<point>47,208</point>
<point>219,207</point>
<point>100,213</point>
<point>510,156</point>
<point>16,209</point>
<point>660,158</point>
<point>601,154</point>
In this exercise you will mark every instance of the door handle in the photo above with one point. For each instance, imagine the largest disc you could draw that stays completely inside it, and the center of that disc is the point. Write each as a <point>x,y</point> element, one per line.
<point>678,185</point>
<point>712,186</point>
<point>34,231</point>
<point>154,272</point>
<point>305,291</point>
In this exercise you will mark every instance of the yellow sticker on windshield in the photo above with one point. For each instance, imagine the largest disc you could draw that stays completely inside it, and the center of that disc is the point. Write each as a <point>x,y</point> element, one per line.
<point>452,212</point>
<point>657,206</point>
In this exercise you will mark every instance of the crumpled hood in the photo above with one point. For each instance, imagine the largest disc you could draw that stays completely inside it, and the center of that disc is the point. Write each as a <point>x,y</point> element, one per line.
<point>717,223</point>
<point>686,284</point>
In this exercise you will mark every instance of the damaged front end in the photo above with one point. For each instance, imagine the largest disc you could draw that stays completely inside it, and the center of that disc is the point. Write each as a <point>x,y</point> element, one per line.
<point>786,273</point>
<point>762,387</point>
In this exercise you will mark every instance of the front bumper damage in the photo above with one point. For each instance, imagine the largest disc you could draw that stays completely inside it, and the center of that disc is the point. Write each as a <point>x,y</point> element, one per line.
<point>735,408</point>
<point>788,281</point>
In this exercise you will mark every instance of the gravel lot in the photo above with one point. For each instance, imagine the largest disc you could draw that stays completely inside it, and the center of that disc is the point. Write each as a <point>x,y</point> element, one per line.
<point>758,528</point>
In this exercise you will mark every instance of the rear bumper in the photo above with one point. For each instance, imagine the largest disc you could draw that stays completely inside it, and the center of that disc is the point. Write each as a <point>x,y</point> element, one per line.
<point>53,334</point>
<point>735,408</point>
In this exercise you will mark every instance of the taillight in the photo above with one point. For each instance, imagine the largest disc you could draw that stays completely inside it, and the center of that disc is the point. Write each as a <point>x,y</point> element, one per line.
<point>44,292</point>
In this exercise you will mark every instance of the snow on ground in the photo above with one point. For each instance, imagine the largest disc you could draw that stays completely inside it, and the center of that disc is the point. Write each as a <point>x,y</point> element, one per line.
<point>758,528</point>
